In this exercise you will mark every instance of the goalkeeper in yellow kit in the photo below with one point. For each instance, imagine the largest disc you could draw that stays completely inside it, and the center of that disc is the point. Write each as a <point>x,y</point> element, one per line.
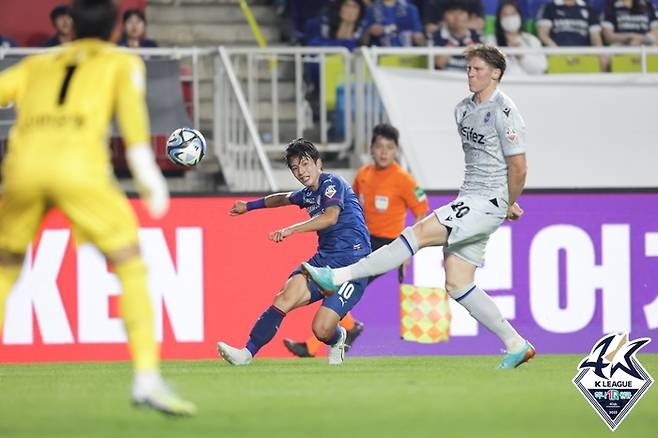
<point>58,157</point>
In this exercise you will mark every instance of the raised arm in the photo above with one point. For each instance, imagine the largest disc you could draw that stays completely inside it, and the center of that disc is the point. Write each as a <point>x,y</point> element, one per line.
<point>133,120</point>
<point>319,222</point>
<point>270,201</point>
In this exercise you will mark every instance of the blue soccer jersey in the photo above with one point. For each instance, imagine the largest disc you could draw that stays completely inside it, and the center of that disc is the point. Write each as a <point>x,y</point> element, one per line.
<point>400,22</point>
<point>349,234</point>
<point>570,25</point>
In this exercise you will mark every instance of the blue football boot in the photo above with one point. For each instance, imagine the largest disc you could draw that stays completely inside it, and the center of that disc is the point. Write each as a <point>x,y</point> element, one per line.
<point>513,360</point>
<point>323,277</point>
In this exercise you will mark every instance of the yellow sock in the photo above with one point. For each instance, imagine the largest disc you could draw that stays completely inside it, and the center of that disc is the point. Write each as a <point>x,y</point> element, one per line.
<point>8,276</point>
<point>313,345</point>
<point>137,313</point>
<point>347,322</point>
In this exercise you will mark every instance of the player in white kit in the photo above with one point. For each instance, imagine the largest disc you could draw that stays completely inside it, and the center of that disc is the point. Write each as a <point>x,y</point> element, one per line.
<point>493,138</point>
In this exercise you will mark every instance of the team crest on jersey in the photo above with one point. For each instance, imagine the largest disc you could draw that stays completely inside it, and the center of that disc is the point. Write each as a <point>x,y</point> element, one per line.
<point>611,378</point>
<point>381,203</point>
<point>330,191</point>
<point>511,135</point>
<point>487,117</point>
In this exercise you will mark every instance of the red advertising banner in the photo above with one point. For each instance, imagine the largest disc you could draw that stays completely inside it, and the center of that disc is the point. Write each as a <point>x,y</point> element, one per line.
<point>210,277</point>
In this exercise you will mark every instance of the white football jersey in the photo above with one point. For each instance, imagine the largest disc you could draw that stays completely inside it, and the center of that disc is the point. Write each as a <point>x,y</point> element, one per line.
<point>489,132</point>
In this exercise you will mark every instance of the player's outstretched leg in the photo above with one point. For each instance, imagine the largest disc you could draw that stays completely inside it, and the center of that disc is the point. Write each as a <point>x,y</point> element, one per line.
<point>264,330</point>
<point>383,260</point>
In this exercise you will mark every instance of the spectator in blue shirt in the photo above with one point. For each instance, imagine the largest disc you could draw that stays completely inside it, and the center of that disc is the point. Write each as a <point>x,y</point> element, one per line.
<point>393,23</point>
<point>61,19</point>
<point>134,30</point>
<point>630,23</point>
<point>454,32</point>
<point>568,23</point>
<point>340,25</point>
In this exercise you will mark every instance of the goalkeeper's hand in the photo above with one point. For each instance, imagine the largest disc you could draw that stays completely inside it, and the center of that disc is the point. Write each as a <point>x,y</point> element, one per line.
<point>149,181</point>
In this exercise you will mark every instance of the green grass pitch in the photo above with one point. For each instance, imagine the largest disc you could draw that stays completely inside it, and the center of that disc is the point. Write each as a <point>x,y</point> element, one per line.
<point>400,397</point>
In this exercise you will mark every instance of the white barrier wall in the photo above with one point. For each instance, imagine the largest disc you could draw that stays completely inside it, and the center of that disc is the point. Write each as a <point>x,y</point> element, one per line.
<point>584,131</point>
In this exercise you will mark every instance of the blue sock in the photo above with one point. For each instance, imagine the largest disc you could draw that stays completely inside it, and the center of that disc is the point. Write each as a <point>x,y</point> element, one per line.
<point>264,329</point>
<point>335,337</point>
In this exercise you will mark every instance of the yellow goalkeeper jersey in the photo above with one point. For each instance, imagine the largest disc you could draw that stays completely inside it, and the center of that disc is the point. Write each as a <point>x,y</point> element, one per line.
<point>65,101</point>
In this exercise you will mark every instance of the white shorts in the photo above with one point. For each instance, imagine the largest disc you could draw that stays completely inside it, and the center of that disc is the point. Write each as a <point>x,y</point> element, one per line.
<point>472,220</point>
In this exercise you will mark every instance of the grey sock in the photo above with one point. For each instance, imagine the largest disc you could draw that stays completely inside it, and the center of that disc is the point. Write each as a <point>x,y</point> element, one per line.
<point>484,309</point>
<point>383,260</point>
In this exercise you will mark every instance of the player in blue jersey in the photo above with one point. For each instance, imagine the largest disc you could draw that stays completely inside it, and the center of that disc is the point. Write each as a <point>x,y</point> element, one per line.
<point>337,217</point>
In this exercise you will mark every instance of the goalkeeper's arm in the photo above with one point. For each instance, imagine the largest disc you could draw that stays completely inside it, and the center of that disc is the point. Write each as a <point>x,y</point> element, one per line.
<point>133,120</point>
<point>148,179</point>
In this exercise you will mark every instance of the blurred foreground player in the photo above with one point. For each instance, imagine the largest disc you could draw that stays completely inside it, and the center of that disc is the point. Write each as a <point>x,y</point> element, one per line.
<point>58,157</point>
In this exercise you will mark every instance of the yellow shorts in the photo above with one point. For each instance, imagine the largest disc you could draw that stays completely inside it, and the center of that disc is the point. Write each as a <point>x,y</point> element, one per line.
<point>98,210</point>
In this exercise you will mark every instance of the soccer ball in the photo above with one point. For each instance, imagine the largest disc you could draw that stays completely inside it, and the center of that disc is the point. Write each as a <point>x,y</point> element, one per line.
<point>186,146</point>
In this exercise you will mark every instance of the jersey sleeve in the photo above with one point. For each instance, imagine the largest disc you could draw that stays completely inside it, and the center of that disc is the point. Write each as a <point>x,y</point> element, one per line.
<point>12,82</point>
<point>297,198</point>
<point>653,16</point>
<point>593,20</point>
<point>511,130</point>
<point>609,19</point>
<point>414,197</point>
<point>131,109</point>
<point>333,193</point>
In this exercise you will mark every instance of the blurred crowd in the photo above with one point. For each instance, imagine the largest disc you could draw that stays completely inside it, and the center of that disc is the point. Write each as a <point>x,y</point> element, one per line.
<point>460,23</point>
<point>441,23</point>
<point>133,29</point>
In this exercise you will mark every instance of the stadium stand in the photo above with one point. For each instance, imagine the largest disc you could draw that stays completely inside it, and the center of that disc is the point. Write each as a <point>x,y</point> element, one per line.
<point>165,104</point>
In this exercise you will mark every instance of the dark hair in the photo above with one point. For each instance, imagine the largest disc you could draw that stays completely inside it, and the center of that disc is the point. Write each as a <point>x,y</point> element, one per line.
<point>300,148</point>
<point>492,55</point>
<point>333,13</point>
<point>130,12</point>
<point>58,11</point>
<point>385,130</point>
<point>94,18</point>
<point>501,40</point>
<point>449,5</point>
<point>637,7</point>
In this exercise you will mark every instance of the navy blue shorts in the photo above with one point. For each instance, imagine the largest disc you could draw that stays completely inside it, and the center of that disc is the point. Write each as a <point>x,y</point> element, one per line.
<point>346,297</point>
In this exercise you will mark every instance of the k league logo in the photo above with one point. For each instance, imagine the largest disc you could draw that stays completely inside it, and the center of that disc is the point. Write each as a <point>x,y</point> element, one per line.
<point>612,379</point>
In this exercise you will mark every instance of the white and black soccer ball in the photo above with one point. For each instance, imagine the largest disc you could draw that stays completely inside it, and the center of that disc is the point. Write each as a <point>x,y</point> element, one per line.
<point>186,146</point>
